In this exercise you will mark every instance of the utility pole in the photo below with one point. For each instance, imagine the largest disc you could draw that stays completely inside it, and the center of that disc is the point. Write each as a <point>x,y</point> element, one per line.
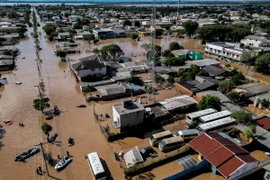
<point>178,10</point>
<point>43,155</point>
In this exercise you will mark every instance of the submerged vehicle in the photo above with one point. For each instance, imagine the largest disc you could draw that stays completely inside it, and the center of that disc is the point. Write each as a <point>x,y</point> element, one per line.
<point>26,154</point>
<point>62,163</point>
<point>81,106</point>
<point>7,122</point>
<point>71,141</point>
<point>53,137</point>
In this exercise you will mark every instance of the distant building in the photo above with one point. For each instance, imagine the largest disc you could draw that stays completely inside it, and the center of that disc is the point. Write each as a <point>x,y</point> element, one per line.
<point>223,155</point>
<point>251,89</point>
<point>256,41</point>
<point>205,62</point>
<point>6,63</point>
<point>127,114</point>
<point>91,65</point>
<point>218,94</point>
<point>103,33</point>
<point>188,54</point>
<point>215,71</point>
<point>223,50</point>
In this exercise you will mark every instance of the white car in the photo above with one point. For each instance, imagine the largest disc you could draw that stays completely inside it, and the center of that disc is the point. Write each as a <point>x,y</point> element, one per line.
<point>18,83</point>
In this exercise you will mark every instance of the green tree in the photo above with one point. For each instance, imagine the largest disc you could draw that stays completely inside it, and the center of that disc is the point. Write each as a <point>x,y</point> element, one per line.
<point>252,128</point>
<point>149,89</point>
<point>190,27</point>
<point>137,24</point>
<point>248,56</point>
<point>265,103</point>
<point>49,29</point>
<point>111,51</point>
<point>248,133</point>
<point>127,23</point>
<point>242,116</point>
<point>147,47</point>
<point>225,86</point>
<point>238,79</point>
<point>134,36</point>
<point>209,102</point>
<point>167,54</point>
<point>46,128</point>
<point>234,96</point>
<point>174,61</point>
<point>171,79</point>
<point>262,64</point>
<point>60,53</point>
<point>40,104</point>
<point>175,46</point>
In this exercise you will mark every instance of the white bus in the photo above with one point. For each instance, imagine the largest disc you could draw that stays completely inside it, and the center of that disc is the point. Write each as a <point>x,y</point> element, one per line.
<point>171,143</point>
<point>196,115</point>
<point>96,166</point>
<point>156,138</point>
<point>224,122</point>
<point>215,116</point>
<point>188,134</point>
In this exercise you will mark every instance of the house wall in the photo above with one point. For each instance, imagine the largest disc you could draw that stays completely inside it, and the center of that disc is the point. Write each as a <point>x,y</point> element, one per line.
<point>198,97</point>
<point>251,42</point>
<point>243,169</point>
<point>87,72</point>
<point>183,89</point>
<point>116,115</point>
<point>132,119</point>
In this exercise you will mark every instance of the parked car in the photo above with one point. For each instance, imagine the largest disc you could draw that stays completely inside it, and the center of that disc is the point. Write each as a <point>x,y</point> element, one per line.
<point>7,122</point>
<point>53,137</point>
<point>81,106</point>
<point>148,152</point>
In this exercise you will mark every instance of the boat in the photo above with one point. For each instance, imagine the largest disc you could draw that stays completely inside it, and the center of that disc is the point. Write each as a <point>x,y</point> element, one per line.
<point>63,163</point>
<point>26,154</point>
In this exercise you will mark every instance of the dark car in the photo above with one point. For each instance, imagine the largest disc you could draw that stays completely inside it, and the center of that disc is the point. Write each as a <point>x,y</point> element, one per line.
<point>165,122</point>
<point>148,152</point>
<point>53,137</point>
<point>81,106</point>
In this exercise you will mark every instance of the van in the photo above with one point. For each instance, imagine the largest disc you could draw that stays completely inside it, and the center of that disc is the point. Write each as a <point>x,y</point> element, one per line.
<point>171,143</point>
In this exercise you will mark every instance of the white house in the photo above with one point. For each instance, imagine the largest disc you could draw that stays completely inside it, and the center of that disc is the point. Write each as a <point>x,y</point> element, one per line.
<point>127,114</point>
<point>90,65</point>
<point>255,41</point>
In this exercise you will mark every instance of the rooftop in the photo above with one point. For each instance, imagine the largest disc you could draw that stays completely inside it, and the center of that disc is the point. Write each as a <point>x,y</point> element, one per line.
<point>177,102</point>
<point>204,62</point>
<point>252,89</point>
<point>218,94</point>
<point>214,71</point>
<point>89,62</point>
<point>264,122</point>
<point>128,106</point>
<point>222,153</point>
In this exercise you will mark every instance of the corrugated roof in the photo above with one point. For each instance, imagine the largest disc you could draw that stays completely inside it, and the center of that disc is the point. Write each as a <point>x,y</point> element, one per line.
<point>253,89</point>
<point>264,122</point>
<point>218,94</point>
<point>221,152</point>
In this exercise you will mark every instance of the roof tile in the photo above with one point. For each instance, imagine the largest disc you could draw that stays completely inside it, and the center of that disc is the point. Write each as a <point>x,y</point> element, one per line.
<point>230,166</point>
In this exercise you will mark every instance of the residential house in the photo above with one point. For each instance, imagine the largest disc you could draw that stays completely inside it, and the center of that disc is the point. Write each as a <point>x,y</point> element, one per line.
<point>205,62</point>
<point>223,155</point>
<point>10,29</point>
<point>120,33</point>
<point>6,63</point>
<point>75,18</point>
<point>164,70</point>
<point>128,114</point>
<point>118,90</point>
<point>135,66</point>
<point>255,41</point>
<point>143,33</point>
<point>188,54</point>
<point>201,83</point>
<point>179,104</point>
<point>89,66</point>
<point>251,89</point>
<point>224,51</point>
<point>63,36</point>
<point>218,94</point>
<point>103,33</point>
<point>216,72</point>
<point>264,122</point>
<point>132,157</point>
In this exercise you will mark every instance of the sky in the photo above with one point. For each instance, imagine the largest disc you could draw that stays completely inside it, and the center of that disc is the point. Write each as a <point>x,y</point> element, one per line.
<point>137,1</point>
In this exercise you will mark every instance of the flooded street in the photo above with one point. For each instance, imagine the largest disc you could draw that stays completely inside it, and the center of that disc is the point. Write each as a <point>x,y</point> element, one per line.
<point>63,90</point>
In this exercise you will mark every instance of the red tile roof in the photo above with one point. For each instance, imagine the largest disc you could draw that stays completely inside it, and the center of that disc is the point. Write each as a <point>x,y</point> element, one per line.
<point>221,152</point>
<point>264,123</point>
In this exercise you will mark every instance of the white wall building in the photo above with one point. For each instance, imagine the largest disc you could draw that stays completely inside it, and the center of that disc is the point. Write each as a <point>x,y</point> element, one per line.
<point>255,41</point>
<point>127,114</point>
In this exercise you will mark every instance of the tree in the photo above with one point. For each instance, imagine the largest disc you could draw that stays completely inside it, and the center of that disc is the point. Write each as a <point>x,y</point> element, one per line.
<point>137,24</point>
<point>225,86</point>
<point>40,104</point>
<point>190,27</point>
<point>252,128</point>
<point>242,116</point>
<point>46,128</point>
<point>60,53</point>
<point>265,103</point>
<point>110,51</point>
<point>159,32</point>
<point>248,133</point>
<point>167,54</point>
<point>175,46</point>
<point>238,79</point>
<point>248,56</point>
<point>209,102</point>
<point>134,36</point>
<point>174,61</point>
<point>147,47</point>
<point>262,64</point>
<point>233,96</point>
<point>127,23</point>
<point>149,89</point>
<point>49,29</point>
<point>171,79</point>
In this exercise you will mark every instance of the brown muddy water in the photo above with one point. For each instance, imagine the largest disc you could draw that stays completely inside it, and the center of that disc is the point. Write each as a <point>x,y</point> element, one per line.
<point>63,91</point>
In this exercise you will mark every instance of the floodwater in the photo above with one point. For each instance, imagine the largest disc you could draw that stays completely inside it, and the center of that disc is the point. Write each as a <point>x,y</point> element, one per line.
<point>63,91</point>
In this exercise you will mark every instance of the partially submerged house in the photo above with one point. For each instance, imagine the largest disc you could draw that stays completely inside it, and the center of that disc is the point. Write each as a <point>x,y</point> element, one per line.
<point>251,89</point>
<point>188,54</point>
<point>223,155</point>
<point>89,66</point>
<point>128,114</point>
<point>216,72</point>
<point>6,63</point>
<point>133,156</point>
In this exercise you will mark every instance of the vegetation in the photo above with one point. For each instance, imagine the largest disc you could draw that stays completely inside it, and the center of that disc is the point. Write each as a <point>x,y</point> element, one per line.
<point>248,56</point>
<point>209,102</point>
<point>175,46</point>
<point>134,36</point>
<point>111,51</point>
<point>40,104</point>
<point>80,23</point>
<point>262,64</point>
<point>127,23</point>
<point>191,73</point>
<point>167,54</point>
<point>242,116</point>
<point>60,53</point>
<point>13,53</point>
<point>171,79</point>
<point>147,47</point>
<point>174,61</point>
<point>265,103</point>
<point>46,128</point>
<point>225,86</point>
<point>49,29</point>
<point>149,89</point>
<point>190,27</point>
<point>234,96</point>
